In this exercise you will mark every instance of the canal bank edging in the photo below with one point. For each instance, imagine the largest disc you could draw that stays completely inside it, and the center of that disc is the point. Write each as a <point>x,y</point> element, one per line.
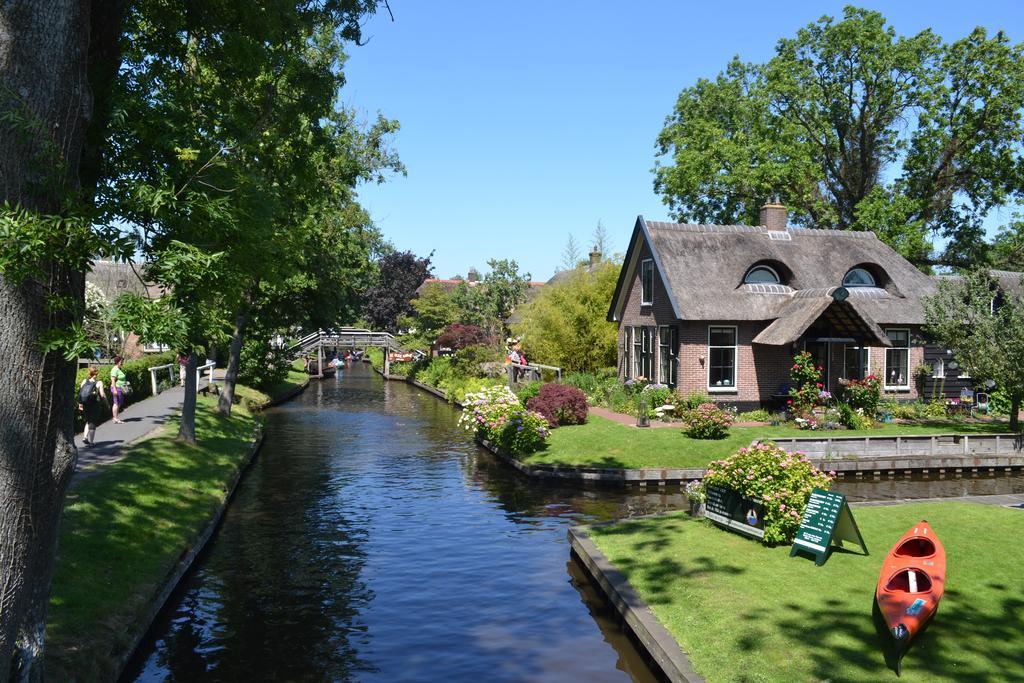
<point>662,649</point>
<point>286,397</point>
<point>185,563</point>
<point>858,467</point>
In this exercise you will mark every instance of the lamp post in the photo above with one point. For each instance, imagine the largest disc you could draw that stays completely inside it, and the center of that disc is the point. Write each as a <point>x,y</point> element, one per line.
<point>641,413</point>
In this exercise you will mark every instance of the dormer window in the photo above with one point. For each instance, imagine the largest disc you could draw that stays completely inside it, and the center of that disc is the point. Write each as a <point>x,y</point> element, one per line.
<point>762,275</point>
<point>859,277</point>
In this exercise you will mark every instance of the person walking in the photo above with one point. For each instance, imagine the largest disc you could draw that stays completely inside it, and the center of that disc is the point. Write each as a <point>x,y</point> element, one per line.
<point>118,382</point>
<point>90,392</point>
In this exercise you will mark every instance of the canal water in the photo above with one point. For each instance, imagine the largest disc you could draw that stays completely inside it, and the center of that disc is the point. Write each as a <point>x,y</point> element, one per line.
<point>371,540</point>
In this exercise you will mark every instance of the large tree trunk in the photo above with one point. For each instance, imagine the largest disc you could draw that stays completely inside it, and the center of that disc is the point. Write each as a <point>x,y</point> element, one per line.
<point>44,113</point>
<point>187,427</point>
<point>1014,412</point>
<point>227,396</point>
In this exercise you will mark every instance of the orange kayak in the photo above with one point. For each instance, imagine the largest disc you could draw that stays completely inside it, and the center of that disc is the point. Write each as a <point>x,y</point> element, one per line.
<point>910,584</point>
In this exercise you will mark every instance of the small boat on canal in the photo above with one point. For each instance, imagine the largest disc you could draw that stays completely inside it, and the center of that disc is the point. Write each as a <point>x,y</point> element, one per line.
<point>910,585</point>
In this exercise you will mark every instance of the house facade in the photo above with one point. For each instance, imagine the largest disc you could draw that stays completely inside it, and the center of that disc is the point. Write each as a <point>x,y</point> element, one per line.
<point>722,309</point>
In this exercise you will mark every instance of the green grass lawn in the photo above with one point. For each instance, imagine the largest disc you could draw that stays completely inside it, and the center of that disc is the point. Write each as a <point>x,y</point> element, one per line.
<point>744,612</point>
<point>123,530</point>
<point>603,443</point>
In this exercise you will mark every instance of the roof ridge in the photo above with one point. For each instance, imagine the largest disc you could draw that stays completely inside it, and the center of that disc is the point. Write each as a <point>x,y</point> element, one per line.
<point>732,228</point>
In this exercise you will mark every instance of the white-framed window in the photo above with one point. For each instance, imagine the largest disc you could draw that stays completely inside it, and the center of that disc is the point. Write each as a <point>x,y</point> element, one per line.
<point>643,352</point>
<point>856,361</point>
<point>668,348</point>
<point>647,282</point>
<point>721,358</point>
<point>761,275</point>
<point>897,360</point>
<point>637,352</point>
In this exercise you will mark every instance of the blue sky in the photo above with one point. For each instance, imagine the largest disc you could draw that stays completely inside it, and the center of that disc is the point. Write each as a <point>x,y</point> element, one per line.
<point>524,122</point>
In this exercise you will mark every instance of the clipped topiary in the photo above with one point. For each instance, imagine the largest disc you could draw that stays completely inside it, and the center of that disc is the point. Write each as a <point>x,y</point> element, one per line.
<point>560,404</point>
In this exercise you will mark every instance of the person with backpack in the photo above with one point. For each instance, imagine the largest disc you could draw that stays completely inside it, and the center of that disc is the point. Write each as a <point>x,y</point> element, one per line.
<point>90,392</point>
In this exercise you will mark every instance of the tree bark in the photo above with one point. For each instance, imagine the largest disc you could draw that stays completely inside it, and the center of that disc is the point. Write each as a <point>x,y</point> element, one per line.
<point>187,426</point>
<point>1014,413</point>
<point>227,395</point>
<point>45,106</point>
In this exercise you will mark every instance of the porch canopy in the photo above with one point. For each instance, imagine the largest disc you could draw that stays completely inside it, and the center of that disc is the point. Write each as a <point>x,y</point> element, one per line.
<point>830,309</point>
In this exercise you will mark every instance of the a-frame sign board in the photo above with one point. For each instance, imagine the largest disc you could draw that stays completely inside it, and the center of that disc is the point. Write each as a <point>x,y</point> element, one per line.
<point>827,521</point>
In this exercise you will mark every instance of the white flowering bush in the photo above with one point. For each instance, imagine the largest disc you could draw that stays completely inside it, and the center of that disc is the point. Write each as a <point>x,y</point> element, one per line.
<point>781,480</point>
<point>496,414</point>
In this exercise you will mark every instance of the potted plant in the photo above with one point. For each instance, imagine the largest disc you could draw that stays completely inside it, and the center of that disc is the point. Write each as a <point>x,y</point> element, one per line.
<point>697,497</point>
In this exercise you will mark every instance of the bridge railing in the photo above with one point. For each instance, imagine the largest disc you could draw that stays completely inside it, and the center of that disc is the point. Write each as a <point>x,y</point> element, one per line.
<point>530,372</point>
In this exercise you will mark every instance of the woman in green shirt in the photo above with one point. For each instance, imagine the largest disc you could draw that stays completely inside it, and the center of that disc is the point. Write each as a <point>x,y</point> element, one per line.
<point>117,381</point>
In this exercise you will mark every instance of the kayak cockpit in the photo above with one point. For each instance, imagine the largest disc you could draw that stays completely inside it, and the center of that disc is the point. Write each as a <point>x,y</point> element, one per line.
<point>916,547</point>
<point>909,581</point>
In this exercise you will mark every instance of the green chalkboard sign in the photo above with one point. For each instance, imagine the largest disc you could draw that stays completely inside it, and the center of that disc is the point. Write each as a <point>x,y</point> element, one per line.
<point>827,521</point>
<point>729,509</point>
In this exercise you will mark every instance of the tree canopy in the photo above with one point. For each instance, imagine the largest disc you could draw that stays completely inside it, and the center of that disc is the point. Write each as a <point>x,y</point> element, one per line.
<point>399,275</point>
<point>857,128</point>
<point>984,328</point>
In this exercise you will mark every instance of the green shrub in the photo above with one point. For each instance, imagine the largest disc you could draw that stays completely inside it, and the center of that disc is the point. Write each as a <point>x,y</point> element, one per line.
<point>999,403</point>
<point>780,480</point>
<point>262,366</point>
<point>852,418</point>
<point>933,410</point>
<point>864,394</point>
<point>376,357</point>
<point>759,415</point>
<point>528,390</point>
<point>706,421</point>
<point>656,396</point>
<point>469,361</point>
<point>587,383</point>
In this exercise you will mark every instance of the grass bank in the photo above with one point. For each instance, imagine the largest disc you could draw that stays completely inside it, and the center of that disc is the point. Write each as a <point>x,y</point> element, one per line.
<point>603,443</point>
<point>744,612</point>
<point>254,399</point>
<point>125,528</point>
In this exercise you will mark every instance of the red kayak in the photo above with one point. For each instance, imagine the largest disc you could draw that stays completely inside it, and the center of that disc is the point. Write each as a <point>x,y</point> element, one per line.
<point>910,584</point>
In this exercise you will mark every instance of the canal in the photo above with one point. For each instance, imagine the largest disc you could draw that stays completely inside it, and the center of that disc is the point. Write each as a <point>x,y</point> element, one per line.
<point>371,540</point>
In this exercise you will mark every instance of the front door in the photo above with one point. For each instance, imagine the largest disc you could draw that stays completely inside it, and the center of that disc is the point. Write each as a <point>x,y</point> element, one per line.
<point>820,351</point>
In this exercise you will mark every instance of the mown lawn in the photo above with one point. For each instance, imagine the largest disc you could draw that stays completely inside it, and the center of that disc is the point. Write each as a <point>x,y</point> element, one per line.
<point>603,443</point>
<point>744,612</point>
<point>123,530</point>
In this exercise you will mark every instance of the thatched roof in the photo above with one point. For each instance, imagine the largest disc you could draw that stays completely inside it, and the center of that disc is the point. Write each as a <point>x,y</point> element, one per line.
<point>115,279</point>
<point>843,316</point>
<point>703,267</point>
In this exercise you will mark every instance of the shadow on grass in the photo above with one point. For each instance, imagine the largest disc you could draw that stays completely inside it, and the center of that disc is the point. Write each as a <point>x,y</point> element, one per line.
<point>122,531</point>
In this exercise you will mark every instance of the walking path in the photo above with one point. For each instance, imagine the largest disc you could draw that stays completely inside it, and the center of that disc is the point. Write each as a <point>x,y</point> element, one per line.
<point>139,420</point>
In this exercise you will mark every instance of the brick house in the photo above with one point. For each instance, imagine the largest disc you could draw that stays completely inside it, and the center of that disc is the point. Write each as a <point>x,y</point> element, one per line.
<point>722,309</point>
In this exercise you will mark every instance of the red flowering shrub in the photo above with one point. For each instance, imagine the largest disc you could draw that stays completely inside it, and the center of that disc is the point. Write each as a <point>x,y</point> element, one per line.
<point>458,336</point>
<point>560,404</point>
<point>807,390</point>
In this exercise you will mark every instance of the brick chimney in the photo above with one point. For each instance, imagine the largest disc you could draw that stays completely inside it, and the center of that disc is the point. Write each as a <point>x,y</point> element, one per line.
<point>595,258</point>
<point>473,275</point>
<point>774,215</point>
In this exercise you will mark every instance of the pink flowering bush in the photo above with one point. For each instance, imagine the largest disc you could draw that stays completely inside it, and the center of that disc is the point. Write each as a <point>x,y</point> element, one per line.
<point>497,415</point>
<point>706,421</point>
<point>781,480</point>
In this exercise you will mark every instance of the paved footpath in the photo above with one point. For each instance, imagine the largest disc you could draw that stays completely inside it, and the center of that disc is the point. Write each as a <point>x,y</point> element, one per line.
<point>139,419</point>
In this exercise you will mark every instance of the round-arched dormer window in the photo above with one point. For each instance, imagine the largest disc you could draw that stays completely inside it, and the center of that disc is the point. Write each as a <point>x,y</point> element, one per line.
<point>859,277</point>
<point>762,275</point>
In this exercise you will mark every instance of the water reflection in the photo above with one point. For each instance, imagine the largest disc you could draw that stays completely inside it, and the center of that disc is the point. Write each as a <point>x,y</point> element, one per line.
<point>373,541</point>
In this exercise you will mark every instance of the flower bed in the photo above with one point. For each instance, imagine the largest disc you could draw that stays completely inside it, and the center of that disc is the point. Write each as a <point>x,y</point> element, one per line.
<point>495,414</point>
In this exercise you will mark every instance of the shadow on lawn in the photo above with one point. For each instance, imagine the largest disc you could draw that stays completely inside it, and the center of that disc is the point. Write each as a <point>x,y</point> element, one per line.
<point>128,523</point>
<point>936,653</point>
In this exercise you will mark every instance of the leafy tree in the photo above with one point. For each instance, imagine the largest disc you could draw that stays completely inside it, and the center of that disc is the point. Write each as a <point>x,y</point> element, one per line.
<point>823,123</point>
<point>985,330</point>
<point>458,336</point>
<point>1008,247</point>
<point>63,80</point>
<point>400,273</point>
<point>566,324</point>
<point>434,309</point>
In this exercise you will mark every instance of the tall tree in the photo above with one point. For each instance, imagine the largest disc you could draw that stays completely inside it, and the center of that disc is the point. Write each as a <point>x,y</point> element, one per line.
<point>400,273</point>
<point>571,254</point>
<point>1008,246</point>
<point>566,324</point>
<point>601,242</point>
<point>824,125</point>
<point>58,63</point>
<point>984,328</point>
